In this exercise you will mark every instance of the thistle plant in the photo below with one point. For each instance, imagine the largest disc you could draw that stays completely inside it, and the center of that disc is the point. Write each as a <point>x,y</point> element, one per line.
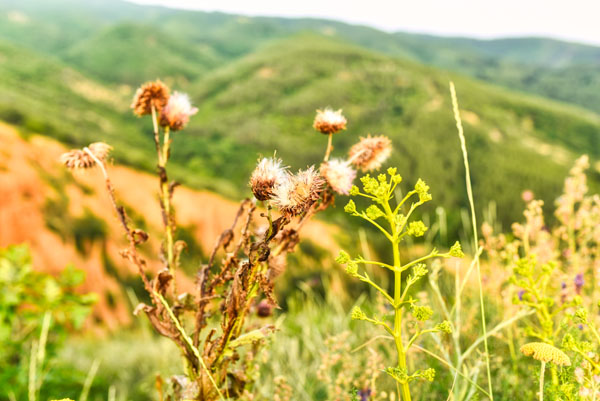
<point>208,325</point>
<point>395,224</point>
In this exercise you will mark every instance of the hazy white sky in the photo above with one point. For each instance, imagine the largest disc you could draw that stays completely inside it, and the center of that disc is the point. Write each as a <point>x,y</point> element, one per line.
<point>576,20</point>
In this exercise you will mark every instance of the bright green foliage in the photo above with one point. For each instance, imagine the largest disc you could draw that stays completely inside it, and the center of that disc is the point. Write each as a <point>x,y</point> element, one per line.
<point>380,191</point>
<point>444,327</point>
<point>27,298</point>
<point>401,377</point>
<point>416,229</point>
<point>358,314</point>
<point>538,292</point>
<point>422,313</point>
<point>456,250</point>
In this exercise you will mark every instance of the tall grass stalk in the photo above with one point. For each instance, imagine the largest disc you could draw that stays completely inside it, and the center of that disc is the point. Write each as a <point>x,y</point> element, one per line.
<point>112,393</point>
<point>463,145</point>
<point>37,357</point>
<point>89,380</point>
<point>32,386</point>
<point>41,354</point>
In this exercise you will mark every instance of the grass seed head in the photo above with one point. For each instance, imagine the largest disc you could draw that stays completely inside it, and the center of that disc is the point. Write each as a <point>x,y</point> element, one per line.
<point>329,121</point>
<point>150,94</point>
<point>371,152</point>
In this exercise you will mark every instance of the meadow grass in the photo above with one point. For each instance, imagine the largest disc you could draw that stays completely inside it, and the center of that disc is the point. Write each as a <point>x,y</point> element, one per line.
<point>232,345</point>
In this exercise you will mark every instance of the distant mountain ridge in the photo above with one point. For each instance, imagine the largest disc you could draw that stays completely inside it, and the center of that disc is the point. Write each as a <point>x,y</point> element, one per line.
<point>569,72</point>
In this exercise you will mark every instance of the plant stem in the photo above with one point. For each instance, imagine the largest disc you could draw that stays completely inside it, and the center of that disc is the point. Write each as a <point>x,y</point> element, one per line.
<point>270,218</point>
<point>189,342</point>
<point>404,387</point>
<point>165,193</point>
<point>398,325</point>
<point>329,147</point>
<point>162,154</point>
<point>463,144</point>
<point>400,349</point>
<point>155,130</point>
<point>166,199</point>
<point>542,381</point>
<point>32,384</point>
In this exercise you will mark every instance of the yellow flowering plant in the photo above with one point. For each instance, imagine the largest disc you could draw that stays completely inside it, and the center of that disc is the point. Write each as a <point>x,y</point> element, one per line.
<point>396,227</point>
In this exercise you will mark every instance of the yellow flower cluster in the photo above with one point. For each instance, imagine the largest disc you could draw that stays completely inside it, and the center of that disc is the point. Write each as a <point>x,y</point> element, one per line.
<point>546,353</point>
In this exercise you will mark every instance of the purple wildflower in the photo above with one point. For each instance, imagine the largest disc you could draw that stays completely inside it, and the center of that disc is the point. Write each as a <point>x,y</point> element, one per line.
<point>521,293</point>
<point>579,282</point>
<point>364,394</point>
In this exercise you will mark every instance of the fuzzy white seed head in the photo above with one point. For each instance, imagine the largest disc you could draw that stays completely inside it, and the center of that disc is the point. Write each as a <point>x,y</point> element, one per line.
<point>176,114</point>
<point>267,176</point>
<point>329,121</point>
<point>339,175</point>
<point>298,193</point>
<point>371,152</point>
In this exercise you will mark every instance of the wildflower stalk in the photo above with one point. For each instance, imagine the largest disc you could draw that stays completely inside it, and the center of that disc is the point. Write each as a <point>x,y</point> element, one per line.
<point>134,257</point>
<point>461,135</point>
<point>542,370</point>
<point>381,191</point>
<point>397,302</point>
<point>163,153</point>
<point>545,353</point>
<point>165,193</point>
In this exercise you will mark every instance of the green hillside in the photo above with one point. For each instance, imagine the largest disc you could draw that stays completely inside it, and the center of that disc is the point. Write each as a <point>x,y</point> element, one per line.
<point>266,101</point>
<point>45,96</point>
<point>257,93</point>
<point>128,53</point>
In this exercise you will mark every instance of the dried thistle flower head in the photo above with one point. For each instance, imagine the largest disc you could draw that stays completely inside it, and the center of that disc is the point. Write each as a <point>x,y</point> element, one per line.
<point>267,175</point>
<point>150,94</point>
<point>339,175</point>
<point>79,158</point>
<point>329,121</point>
<point>546,353</point>
<point>176,114</point>
<point>299,192</point>
<point>371,152</point>
<point>308,185</point>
